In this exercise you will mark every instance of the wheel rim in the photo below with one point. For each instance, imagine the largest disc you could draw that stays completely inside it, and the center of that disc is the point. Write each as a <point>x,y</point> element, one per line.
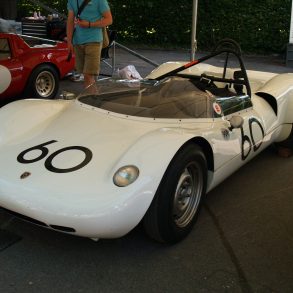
<point>45,84</point>
<point>188,194</point>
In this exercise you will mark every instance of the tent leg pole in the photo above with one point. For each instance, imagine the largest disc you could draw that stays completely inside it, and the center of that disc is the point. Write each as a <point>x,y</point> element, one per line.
<point>193,30</point>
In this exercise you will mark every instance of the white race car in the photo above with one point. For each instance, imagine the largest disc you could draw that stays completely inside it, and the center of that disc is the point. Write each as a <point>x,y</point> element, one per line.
<point>127,151</point>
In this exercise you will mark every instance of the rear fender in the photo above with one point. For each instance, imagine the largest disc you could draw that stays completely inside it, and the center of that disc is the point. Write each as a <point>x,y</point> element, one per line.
<point>278,92</point>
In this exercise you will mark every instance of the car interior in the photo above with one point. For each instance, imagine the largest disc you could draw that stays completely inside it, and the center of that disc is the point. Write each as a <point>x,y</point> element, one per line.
<point>179,95</point>
<point>5,52</point>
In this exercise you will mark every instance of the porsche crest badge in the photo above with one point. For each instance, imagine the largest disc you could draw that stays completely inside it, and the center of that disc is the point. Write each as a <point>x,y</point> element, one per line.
<point>25,175</point>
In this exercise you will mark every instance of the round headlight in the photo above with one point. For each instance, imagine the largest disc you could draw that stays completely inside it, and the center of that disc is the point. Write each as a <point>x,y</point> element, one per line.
<point>125,175</point>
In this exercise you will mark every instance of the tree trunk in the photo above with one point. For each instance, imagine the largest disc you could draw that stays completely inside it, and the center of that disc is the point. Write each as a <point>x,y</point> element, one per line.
<point>8,9</point>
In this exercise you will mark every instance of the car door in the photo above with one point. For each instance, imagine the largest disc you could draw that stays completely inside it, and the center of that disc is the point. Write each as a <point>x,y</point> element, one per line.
<point>250,133</point>
<point>236,142</point>
<point>11,83</point>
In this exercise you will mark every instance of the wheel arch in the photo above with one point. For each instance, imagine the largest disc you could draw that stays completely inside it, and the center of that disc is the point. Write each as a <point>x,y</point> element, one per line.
<point>29,90</point>
<point>53,65</point>
<point>156,220</point>
<point>270,99</point>
<point>206,148</point>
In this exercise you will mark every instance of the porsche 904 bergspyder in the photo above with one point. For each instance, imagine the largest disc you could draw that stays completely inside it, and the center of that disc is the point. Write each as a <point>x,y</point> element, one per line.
<point>32,66</point>
<point>127,151</point>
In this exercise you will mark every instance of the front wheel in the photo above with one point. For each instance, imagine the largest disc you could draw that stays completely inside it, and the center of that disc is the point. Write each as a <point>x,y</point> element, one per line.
<point>176,204</point>
<point>43,82</point>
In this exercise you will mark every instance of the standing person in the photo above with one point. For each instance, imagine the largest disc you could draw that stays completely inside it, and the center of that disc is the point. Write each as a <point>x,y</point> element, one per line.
<point>84,35</point>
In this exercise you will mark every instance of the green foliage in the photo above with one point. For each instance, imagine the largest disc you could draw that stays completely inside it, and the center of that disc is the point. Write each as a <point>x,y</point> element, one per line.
<point>153,22</point>
<point>259,26</point>
<point>27,8</point>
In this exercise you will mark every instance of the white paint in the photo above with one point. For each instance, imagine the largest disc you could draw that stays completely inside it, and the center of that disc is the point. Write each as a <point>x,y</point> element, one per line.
<point>5,80</point>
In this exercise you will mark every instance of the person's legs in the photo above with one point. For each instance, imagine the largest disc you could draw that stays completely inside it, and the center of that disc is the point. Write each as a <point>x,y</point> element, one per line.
<point>79,58</point>
<point>88,79</point>
<point>92,58</point>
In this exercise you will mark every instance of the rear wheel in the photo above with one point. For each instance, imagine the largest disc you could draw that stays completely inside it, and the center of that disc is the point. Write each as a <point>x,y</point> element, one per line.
<point>176,204</point>
<point>43,83</point>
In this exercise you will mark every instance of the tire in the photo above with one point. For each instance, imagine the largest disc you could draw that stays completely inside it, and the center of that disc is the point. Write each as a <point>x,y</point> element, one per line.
<point>43,83</point>
<point>177,202</point>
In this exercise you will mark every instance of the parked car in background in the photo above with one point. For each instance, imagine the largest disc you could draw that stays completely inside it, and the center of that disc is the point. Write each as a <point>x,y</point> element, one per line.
<point>32,67</point>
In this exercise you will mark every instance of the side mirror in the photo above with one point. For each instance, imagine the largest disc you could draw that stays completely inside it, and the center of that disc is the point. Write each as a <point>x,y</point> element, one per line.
<point>236,122</point>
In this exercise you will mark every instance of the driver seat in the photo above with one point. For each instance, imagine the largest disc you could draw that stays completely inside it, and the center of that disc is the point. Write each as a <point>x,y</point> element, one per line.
<point>238,87</point>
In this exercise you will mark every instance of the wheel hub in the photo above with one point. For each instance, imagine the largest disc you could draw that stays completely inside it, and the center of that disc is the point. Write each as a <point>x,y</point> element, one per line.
<point>187,195</point>
<point>183,193</point>
<point>45,84</point>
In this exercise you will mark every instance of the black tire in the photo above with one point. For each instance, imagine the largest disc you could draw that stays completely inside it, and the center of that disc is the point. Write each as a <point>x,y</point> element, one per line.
<point>177,202</point>
<point>43,83</point>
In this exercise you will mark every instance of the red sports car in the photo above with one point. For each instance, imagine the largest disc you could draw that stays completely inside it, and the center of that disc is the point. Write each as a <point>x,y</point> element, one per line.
<point>32,67</point>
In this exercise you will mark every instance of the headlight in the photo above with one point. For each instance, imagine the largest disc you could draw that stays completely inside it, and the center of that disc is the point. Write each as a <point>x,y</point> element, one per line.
<point>125,175</point>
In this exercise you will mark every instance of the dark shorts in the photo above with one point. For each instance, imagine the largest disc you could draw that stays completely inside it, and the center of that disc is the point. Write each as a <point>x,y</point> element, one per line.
<point>87,58</point>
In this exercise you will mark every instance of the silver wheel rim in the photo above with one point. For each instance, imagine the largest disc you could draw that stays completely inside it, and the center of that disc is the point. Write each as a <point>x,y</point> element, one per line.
<point>188,194</point>
<point>45,84</point>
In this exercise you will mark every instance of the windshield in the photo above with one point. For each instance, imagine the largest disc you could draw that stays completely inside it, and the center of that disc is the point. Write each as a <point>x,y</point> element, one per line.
<point>38,42</point>
<point>192,90</point>
<point>174,97</point>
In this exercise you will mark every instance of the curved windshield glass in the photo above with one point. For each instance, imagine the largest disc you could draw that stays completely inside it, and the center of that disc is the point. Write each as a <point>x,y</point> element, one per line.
<point>174,97</point>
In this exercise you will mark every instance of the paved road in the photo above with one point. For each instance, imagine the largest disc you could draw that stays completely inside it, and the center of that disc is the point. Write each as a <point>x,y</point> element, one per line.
<point>242,241</point>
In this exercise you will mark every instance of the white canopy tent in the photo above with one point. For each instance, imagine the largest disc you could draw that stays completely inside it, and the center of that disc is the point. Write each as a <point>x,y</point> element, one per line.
<point>193,30</point>
<point>289,56</point>
<point>291,26</point>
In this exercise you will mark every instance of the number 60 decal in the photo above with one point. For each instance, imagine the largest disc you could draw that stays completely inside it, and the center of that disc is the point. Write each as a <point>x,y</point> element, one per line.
<point>48,162</point>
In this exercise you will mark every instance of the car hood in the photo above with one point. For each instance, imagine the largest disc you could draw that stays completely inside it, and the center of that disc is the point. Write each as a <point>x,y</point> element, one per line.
<point>76,147</point>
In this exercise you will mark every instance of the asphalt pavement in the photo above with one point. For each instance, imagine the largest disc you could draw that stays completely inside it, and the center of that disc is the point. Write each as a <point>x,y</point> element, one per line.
<point>242,242</point>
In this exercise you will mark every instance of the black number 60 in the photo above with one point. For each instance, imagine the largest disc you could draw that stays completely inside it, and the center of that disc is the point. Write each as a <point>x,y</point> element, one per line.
<point>48,162</point>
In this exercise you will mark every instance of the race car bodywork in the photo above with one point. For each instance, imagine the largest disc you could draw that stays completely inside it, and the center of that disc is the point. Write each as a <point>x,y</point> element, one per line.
<point>128,151</point>
<point>32,66</point>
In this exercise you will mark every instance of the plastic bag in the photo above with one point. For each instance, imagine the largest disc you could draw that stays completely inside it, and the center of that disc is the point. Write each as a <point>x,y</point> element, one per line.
<point>128,72</point>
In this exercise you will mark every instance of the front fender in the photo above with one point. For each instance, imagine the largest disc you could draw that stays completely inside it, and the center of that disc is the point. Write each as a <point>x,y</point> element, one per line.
<point>152,154</point>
